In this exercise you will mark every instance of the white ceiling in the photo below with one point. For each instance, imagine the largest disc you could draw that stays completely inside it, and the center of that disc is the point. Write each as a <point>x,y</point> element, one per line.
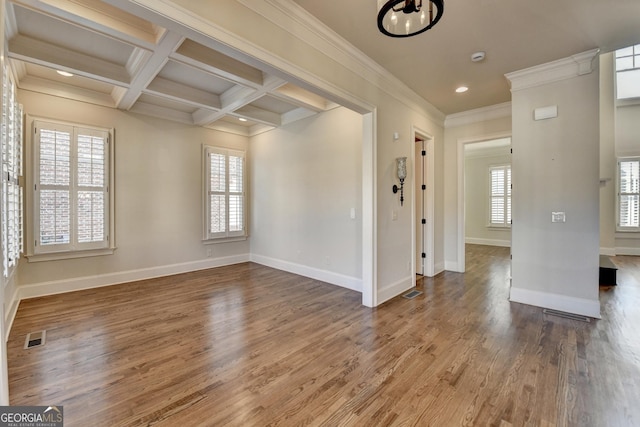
<point>126,61</point>
<point>515,34</point>
<point>123,61</point>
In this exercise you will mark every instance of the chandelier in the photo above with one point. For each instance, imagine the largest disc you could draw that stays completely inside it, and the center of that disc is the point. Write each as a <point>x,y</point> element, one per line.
<point>406,18</point>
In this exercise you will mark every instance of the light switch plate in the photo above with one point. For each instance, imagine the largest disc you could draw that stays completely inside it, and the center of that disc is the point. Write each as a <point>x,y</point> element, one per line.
<point>558,217</point>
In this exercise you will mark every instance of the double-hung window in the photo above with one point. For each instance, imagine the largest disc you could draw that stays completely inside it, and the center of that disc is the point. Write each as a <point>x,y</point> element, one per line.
<point>12,195</point>
<point>629,194</point>
<point>500,196</point>
<point>71,188</point>
<point>224,194</point>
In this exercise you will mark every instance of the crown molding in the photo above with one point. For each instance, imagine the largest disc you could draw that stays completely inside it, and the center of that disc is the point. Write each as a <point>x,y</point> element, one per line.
<point>566,68</point>
<point>322,38</point>
<point>478,115</point>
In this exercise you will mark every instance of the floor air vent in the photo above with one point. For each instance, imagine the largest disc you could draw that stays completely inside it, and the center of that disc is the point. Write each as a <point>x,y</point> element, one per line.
<point>35,339</point>
<point>411,295</point>
<point>566,315</point>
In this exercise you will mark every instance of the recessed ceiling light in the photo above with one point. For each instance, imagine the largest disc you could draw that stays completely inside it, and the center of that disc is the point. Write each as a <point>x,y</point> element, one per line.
<point>64,73</point>
<point>462,89</point>
<point>242,119</point>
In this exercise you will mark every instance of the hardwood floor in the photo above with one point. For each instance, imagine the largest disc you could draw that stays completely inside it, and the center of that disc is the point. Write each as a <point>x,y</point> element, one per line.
<point>247,345</point>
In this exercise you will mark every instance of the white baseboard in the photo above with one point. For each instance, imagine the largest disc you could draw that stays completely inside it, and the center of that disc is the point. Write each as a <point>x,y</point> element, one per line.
<point>627,251</point>
<point>452,266</point>
<point>582,306</point>
<point>12,310</point>
<point>394,289</point>
<point>438,268</point>
<point>608,251</point>
<point>488,242</point>
<point>353,283</point>
<point>89,282</point>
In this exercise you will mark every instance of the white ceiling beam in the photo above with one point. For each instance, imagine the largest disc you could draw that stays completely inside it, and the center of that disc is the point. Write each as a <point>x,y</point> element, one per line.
<point>297,114</point>
<point>161,112</point>
<point>237,97</point>
<point>211,61</point>
<point>49,55</point>
<point>62,90</point>
<point>180,92</point>
<point>301,98</point>
<point>148,68</point>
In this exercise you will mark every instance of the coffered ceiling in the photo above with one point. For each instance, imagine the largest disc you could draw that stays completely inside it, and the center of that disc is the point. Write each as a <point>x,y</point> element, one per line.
<point>131,60</point>
<point>124,61</point>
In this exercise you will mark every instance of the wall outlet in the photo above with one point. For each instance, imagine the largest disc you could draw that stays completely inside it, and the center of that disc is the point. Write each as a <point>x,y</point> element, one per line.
<point>394,215</point>
<point>209,252</point>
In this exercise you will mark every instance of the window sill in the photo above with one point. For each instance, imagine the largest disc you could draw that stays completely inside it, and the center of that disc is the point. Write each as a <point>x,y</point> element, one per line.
<point>55,256</point>
<point>225,240</point>
<point>628,234</point>
<point>499,227</point>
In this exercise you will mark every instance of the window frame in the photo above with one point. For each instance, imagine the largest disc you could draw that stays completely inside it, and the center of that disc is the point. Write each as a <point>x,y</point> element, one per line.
<point>635,68</point>
<point>620,228</point>
<point>37,252</point>
<point>208,236</point>
<point>506,196</point>
<point>12,194</point>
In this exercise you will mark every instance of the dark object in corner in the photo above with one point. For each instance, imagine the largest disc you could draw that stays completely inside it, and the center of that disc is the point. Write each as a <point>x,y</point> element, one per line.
<point>607,272</point>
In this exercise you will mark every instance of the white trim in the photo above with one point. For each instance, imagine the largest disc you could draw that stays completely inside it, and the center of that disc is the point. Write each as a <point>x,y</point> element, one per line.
<point>582,306</point>
<point>369,210</point>
<point>608,251</point>
<point>89,282</point>
<point>395,289</point>
<point>626,251</point>
<point>566,68</point>
<point>10,314</point>
<point>488,242</point>
<point>430,209</point>
<point>348,282</point>
<point>453,266</point>
<point>478,115</point>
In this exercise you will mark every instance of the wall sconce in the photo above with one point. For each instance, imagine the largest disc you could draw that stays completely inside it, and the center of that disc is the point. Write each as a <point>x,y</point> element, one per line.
<point>401,165</point>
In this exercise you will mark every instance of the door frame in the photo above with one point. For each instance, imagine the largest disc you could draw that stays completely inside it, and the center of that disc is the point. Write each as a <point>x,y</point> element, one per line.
<point>429,261</point>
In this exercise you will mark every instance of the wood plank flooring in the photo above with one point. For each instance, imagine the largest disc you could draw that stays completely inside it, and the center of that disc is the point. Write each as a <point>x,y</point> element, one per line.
<point>247,345</point>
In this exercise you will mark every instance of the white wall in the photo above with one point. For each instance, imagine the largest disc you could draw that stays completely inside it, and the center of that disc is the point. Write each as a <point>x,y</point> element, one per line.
<point>477,196</point>
<point>555,168</point>
<point>158,199</point>
<point>306,178</point>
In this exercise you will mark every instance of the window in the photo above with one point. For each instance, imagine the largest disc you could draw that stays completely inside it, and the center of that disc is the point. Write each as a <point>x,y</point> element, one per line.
<point>225,205</point>
<point>629,195</point>
<point>71,188</point>
<point>12,199</point>
<point>628,72</point>
<point>500,196</point>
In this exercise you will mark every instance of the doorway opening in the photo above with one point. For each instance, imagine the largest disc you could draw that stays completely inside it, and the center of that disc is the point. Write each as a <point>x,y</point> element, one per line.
<point>475,222</point>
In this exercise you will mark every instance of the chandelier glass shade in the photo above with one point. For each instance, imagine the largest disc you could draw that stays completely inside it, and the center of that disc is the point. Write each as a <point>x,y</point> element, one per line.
<point>406,18</point>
